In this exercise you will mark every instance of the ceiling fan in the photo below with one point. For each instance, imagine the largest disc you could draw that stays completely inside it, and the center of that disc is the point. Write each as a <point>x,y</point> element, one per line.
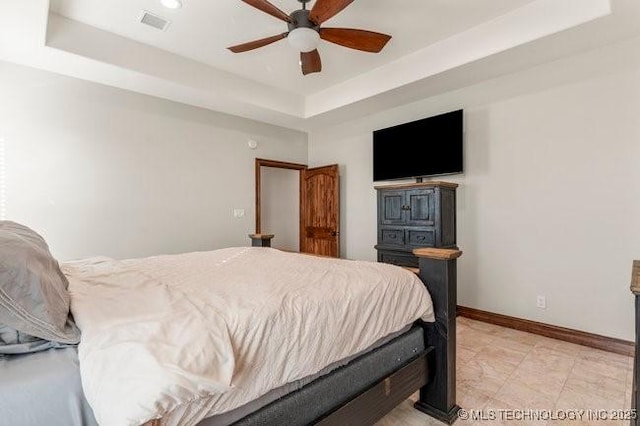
<point>305,33</point>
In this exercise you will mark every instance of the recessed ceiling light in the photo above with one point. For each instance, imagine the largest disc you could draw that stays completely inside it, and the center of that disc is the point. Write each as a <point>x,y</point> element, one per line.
<point>172,4</point>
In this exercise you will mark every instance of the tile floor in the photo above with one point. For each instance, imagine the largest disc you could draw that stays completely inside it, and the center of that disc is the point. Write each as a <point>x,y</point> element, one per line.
<point>501,370</point>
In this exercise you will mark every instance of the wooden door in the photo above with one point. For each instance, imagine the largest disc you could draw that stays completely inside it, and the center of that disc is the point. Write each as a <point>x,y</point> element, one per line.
<point>320,211</point>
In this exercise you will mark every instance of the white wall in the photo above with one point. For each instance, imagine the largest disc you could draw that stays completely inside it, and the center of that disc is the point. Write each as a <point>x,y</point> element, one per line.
<point>550,200</point>
<point>280,207</point>
<point>549,203</point>
<point>102,171</point>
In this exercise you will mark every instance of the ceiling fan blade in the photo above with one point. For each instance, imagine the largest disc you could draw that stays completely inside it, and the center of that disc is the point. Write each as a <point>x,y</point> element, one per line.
<point>267,7</point>
<point>323,10</point>
<point>310,62</point>
<point>244,47</point>
<point>367,41</point>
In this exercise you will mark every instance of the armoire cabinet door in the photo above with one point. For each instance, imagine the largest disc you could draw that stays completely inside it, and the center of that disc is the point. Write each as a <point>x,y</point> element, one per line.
<point>421,207</point>
<point>393,206</point>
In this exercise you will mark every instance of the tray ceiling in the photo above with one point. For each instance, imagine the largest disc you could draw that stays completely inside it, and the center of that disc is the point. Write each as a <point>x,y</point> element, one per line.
<point>202,30</point>
<point>437,45</point>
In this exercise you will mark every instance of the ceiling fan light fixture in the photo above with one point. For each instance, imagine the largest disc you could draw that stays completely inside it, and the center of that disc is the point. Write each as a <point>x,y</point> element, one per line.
<point>172,4</point>
<point>305,33</point>
<point>304,39</point>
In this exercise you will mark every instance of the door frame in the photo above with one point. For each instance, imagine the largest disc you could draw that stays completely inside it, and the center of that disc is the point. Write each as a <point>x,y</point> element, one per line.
<point>261,162</point>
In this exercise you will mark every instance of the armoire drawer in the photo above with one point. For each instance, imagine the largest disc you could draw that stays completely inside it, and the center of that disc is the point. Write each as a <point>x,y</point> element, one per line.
<point>392,237</point>
<point>421,237</point>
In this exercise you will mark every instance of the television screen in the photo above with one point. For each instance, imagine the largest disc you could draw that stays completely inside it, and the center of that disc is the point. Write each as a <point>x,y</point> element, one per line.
<point>428,147</point>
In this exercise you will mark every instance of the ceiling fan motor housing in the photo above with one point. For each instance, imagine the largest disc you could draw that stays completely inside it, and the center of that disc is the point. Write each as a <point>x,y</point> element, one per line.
<point>300,19</point>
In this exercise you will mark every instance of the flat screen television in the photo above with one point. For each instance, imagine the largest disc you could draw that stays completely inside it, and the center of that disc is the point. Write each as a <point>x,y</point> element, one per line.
<point>428,147</point>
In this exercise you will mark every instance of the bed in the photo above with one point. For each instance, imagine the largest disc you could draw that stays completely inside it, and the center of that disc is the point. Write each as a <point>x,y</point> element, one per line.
<point>167,353</point>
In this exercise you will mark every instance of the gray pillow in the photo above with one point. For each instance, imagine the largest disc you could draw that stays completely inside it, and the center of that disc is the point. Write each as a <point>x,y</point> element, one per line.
<point>14,342</point>
<point>33,290</point>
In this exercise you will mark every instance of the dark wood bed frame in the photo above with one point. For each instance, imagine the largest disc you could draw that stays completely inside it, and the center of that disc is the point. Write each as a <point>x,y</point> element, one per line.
<point>432,372</point>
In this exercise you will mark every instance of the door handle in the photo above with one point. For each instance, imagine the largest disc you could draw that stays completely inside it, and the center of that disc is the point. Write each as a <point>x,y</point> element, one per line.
<point>335,233</point>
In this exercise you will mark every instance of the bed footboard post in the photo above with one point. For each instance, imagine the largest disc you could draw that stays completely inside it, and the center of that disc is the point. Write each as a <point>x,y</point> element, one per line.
<point>438,272</point>
<point>635,289</point>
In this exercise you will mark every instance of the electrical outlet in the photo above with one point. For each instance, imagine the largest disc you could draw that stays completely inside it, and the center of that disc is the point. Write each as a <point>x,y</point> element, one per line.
<point>541,302</point>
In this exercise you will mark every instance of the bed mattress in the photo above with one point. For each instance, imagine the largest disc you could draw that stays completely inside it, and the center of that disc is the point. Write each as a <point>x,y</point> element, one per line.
<point>259,318</point>
<point>45,388</point>
<point>317,397</point>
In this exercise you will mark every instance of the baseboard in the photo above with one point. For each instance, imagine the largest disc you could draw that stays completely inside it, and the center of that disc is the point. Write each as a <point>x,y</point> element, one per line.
<point>609,344</point>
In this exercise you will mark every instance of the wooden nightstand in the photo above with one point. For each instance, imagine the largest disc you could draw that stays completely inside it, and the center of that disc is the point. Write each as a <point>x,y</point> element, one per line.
<point>261,240</point>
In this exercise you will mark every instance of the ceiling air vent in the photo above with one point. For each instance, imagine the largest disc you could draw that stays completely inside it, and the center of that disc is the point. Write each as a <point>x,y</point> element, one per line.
<point>154,21</point>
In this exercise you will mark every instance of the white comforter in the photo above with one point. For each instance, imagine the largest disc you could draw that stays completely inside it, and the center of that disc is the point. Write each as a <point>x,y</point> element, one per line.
<point>183,337</point>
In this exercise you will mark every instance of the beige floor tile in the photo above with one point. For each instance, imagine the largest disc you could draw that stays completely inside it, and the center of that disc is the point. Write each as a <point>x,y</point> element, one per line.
<point>566,348</point>
<point>588,378</point>
<point>474,341</point>
<point>508,414</point>
<point>572,399</point>
<point>482,327</point>
<point>520,336</point>
<point>583,422</point>
<point>610,370</point>
<point>482,377</point>
<point>394,418</point>
<point>463,355</point>
<point>412,417</point>
<point>542,359</point>
<point>485,421</point>
<point>519,394</point>
<point>504,369</point>
<point>603,388</point>
<point>488,370</point>
<point>405,415</point>
<point>544,371</point>
<point>627,399</point>
<point>515,345</point>
<point>471,398</point>
<point>498,355</point>
<point>597,355</point>
<point>629,389</point>
<point>549,384</point>
<point>583,405</point>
